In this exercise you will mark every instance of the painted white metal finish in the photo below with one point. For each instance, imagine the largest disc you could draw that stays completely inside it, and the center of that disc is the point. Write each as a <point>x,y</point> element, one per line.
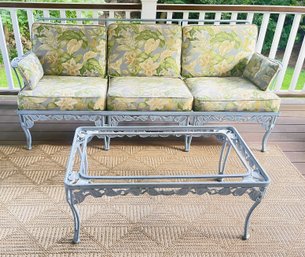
<point>262,32</point>
<point>289,47</point>
<point>16,31</point>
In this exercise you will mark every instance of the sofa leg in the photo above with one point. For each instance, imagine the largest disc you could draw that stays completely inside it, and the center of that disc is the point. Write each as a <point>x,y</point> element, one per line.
<point>269,125</point>
<point>188,140</point>
<point>107,143</point>
<point>26,124</point>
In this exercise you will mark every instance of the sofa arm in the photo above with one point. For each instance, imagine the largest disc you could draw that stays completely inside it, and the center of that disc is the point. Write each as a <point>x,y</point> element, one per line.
<point>262,71</point>
<point>30,69</point>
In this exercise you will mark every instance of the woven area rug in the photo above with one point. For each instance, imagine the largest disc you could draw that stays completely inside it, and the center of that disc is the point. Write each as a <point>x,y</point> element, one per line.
<point>35,220</point>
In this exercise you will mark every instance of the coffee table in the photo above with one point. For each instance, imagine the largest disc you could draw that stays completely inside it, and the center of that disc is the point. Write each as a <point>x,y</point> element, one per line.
<point>79,183</point>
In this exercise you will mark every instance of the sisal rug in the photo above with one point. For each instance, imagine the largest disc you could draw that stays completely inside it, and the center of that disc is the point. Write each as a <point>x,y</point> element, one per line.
<point>36,221</point>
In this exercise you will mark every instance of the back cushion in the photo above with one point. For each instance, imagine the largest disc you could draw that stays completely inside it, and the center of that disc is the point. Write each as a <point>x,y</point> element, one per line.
<point>213,51</point>
<point>144,50</point>
<point>71,50</point>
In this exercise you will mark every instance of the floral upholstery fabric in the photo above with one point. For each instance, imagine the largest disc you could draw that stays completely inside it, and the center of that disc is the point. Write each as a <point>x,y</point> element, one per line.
<point>70,50</point>
<point>144,50</point>
<point>65,93</point>
<point>215,51</point>
<point>30,70</point>
<point>231,94</point>
<point>261,70</point>
<point>148,94</point>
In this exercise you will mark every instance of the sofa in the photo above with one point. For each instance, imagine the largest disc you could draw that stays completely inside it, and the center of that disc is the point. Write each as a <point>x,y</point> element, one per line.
<point>138,72</point>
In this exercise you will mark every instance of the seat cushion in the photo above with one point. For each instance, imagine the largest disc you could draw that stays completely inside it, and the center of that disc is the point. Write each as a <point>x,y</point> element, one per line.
<point>70,50</point>
<point>214,51</point>
<point>65,93</point>
<point>144,50</point>
<point>231,94</point>
<point>148,94</point>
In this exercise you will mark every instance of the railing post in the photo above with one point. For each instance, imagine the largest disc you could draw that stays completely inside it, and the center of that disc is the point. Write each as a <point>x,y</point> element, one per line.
<point>5,57</point>
<point>149,9</point>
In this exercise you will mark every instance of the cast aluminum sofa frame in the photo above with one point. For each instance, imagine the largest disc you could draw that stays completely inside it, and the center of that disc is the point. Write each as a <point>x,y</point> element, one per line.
<point>113,118</point>
<point>79,184</point>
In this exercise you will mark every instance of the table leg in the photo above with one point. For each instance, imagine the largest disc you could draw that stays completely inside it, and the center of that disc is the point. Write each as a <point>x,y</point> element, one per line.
<point>258,200</point>
<point>76,217</point>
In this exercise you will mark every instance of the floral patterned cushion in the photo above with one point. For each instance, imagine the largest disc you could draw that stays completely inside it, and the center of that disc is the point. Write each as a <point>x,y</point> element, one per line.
<point>214,51</point>
<point>65,93</point>
<point>231,94</point>
<point>70,50</point>
<point>261,70</point>
<point>30,70</point>
<point>144,50</point>
<point>148,94</point>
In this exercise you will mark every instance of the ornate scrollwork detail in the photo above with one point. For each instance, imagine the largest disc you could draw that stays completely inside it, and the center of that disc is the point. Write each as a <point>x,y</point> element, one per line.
<point>80,195</point>
<point>181,120</point>
<point>264,119</point>
<point>29,119</point>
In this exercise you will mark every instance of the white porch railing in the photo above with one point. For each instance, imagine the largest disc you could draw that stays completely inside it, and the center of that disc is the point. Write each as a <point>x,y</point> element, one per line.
<point>149,9</point>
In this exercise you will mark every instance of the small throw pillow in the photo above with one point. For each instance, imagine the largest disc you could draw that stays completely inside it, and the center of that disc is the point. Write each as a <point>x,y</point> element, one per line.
<point>261,70</point>
<point>30,69</point>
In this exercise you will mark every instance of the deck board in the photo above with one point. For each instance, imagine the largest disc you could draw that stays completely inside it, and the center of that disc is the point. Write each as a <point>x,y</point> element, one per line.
<point>289,133</point>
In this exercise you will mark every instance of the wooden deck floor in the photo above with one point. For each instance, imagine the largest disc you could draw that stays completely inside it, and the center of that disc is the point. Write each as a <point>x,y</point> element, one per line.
<point>289,132</point>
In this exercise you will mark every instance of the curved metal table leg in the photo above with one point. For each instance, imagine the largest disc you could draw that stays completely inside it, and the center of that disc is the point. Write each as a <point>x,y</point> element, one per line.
<point>26,125</point>
<point>258,200</point>
<point>268,128</point>
<point>76,218</point>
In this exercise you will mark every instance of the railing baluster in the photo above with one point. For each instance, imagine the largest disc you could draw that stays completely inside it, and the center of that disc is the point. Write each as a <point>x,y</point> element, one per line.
<point>217,18</point>
<point>298,67</point>
<point>169,15</point>
<point>185,17</point>
<point>5,58</point>
<point>250,17</point>
<point>277,35</point>
<point>233,18</point>
<point>30,19</point>
<point>46,14</point>
<point>16,31</point>
<point>262,32</point>
<point>95,15</point>
<point>127,14</point>
<point>201,17</point>
<point>79,15</point>
<point>111,14</point>
<point>62,14</point>
<point>289,47</point>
